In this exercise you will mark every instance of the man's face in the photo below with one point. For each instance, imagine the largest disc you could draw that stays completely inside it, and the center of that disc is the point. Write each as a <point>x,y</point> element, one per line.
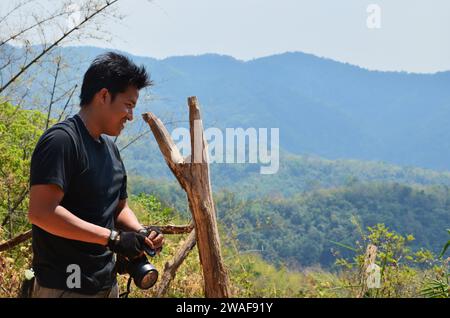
<point>117,112</point>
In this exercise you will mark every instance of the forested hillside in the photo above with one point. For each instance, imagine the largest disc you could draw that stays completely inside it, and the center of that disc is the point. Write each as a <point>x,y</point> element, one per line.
<point>300,230</point>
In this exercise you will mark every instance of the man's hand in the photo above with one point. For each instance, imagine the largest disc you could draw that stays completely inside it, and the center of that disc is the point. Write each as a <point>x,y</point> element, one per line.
<point>130,244</point>
<point>155,238</point>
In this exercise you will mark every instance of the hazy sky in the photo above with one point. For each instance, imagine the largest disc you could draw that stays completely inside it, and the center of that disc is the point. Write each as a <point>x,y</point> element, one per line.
<point>414,34</point>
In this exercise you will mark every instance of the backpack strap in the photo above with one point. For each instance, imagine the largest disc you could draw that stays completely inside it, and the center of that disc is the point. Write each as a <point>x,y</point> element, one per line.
<point>70,127</point>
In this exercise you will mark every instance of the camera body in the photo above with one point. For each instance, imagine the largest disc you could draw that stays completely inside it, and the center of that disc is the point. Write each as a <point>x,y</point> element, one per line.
<point>144,274</point>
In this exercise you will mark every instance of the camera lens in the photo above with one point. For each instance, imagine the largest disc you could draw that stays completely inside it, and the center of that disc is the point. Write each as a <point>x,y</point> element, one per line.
<point>146,277</point>
<point>149,279</point>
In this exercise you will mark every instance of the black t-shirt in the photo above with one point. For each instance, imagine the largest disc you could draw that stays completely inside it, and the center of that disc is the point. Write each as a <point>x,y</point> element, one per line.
<point>93,178</point>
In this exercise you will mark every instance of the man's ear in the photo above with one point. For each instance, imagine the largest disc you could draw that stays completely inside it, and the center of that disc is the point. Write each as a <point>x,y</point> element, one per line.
<point>104,96</point>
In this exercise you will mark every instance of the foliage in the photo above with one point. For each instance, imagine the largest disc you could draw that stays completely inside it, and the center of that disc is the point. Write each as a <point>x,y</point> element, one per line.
<point>401,269</point>
<point>152,210</point>
<point>300,231</point>
<point>438,286</point>
<point>446,246</point>
<point>19,133</point>
<point>250,275</point>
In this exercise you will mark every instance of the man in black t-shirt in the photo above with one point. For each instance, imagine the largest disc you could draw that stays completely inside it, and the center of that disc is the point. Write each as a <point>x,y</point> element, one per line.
<point>78,198</point>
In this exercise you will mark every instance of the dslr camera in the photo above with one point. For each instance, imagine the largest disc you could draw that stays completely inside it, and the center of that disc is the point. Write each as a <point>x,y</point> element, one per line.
<point>143,273</point>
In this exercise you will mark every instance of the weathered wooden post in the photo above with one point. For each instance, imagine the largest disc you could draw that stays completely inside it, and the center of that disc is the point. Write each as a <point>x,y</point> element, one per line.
<point>369,259</point>
<point>193,175</point>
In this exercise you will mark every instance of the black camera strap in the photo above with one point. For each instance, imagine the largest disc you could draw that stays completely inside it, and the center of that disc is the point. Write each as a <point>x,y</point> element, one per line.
<point>125,294</point>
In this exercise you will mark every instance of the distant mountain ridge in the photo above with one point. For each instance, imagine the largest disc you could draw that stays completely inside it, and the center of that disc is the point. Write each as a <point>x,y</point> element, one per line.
<point>322,107</point>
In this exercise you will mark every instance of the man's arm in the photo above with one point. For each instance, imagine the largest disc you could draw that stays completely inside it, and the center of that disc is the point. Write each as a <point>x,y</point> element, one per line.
<point>46,213</point>
<point>127,220</point>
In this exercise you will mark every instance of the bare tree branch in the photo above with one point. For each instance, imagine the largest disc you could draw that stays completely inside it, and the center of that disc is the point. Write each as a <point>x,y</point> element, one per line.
<point>67,103</point>
<point>165,229</point>
<point>58,65</point>
<point>31,27</point>
<point>170,268</point>
<point>16,8</point>
<point>56,43</point>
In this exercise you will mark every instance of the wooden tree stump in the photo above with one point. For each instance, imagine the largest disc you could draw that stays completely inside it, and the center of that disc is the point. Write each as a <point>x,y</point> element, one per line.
<point>193,175</point>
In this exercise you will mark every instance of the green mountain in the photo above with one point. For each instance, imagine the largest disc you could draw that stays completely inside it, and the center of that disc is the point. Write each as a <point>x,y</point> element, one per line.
<point>322,107</point>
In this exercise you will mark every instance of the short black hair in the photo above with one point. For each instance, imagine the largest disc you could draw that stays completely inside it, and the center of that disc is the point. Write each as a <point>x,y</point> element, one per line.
<point>116,73</point>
